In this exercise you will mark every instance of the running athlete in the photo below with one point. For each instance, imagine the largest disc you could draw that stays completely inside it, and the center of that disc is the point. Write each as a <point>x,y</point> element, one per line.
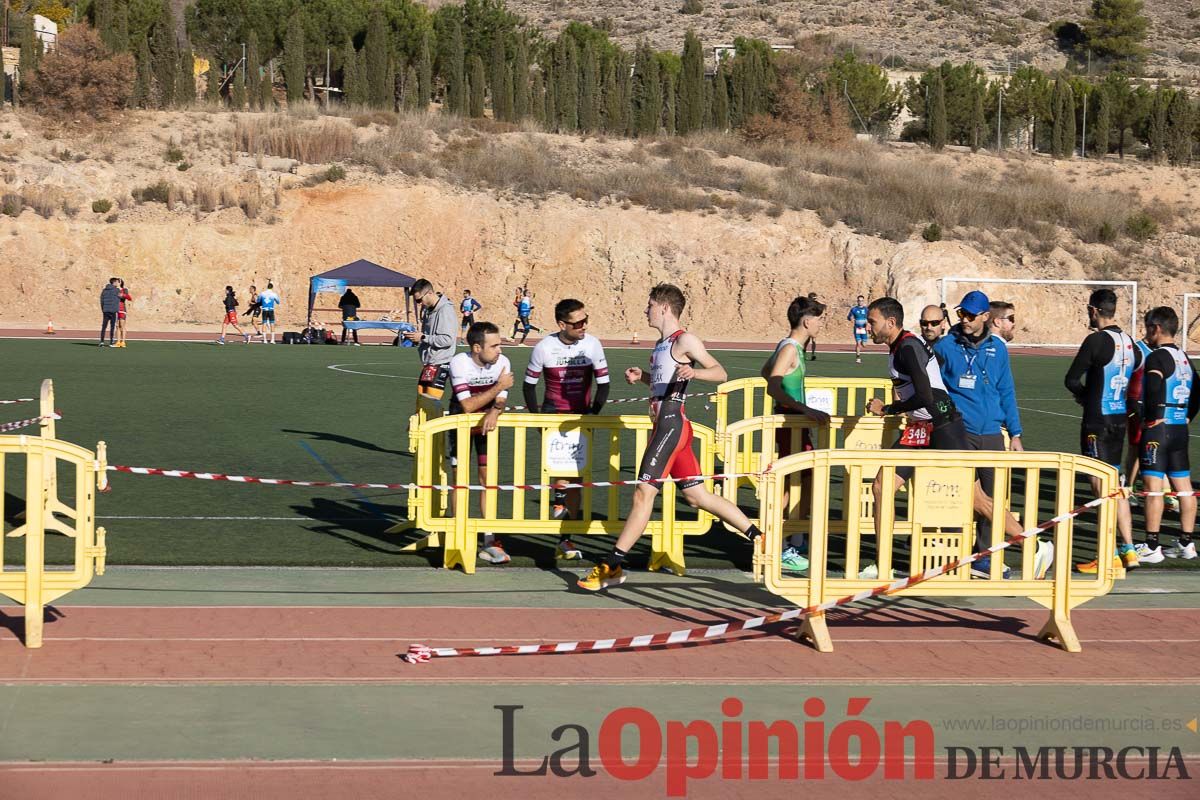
<point>1170,401</point>
<point>569,360</point>
<point>933,420</point>
<point>254,311</point>
<point>524,305</point>
<point>126,297</point>
<point>467,309</point>
<point>1108,359</point>
<point>481,380</point>
<point>268,300</point>
<point>678,357</point>
<point>1133,426</point>
<point>784,373</point>
<point>231,303</point>
<point>858,316</point>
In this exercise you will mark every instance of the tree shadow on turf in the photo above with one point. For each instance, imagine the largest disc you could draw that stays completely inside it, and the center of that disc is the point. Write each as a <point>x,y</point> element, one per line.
<point>362,524</point>
<point>337,438</point>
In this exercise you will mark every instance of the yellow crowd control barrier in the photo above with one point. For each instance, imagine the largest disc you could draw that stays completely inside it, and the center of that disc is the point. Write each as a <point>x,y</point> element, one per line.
<point>938,520</point>
<point>39,460</point>
<point>537,449</point>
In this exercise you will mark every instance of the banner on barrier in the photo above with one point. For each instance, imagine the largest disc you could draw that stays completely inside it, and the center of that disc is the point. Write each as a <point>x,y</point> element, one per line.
<point>566,452</point>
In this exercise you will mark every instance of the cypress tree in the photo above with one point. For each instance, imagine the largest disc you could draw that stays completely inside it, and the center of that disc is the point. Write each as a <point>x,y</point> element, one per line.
<point>185,79</point>
<point>293,59</point>
<point>1156,129</point>
<point>566,82</point>
<point>143,83</point>
<point>625,77</point>
<point>350,78</point>
<point>720,102</point>
<point>412,90</point>
<point>456,72</point>
<point>1069,132</point>
<point>425,72</point>
<point>237,89</point>
<point>507,93</point>
<point>647,92</point>
<point>166,56</point>
<point>978,119</point>
<point>521,105</point>
<point>266,91</point>
<point>589,89</point>
<point>212,83</point>
<point>376,52</point>
<point>1181,125</point>
<point>1101,130</point>
<point>253,62</point>
<point>478,84</point>
<point>690,111</point>
<point>389,83</point>
<point>668,93</point>
<point>105,18</point>
<point>1058,111</point>
<point>737,92</point>
<point>496,77</point>
<point>549,100</point>
<point>612,120</point>
<point>120,35</point>
<point>937,115</point>
<point>537,99</point>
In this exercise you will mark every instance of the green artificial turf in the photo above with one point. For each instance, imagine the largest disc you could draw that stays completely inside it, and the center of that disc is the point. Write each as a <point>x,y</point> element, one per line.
<point>282,412</point>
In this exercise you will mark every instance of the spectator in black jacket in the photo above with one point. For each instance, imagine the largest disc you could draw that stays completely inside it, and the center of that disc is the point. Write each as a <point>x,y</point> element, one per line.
<point>349,304</point>
<point>110,304</point>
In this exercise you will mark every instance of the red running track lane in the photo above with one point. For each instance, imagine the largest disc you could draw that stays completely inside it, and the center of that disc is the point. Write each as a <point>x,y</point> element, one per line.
<point>357,645</point>
<point>644,342</point>
<point>473,779</point>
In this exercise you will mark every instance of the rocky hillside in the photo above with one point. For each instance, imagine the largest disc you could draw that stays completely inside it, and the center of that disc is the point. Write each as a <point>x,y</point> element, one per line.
<point>913,32</point>
<point>175,204</point>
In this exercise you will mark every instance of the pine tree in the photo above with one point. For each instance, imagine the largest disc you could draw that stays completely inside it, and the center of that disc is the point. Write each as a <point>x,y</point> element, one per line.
<point>376,52</point>
<point>1103,127</point>
<point>589,89</point>
<point>521,105</point>
<point>1117,30</point>
<point>144,80</point>
<point>185,79</point>
<point>253,62</point>
<point>566,75</point>
<point>293,59</point>
<point>690,111</point>
<point>425,73</point>
<point>456,72</point>
<point>937,114</point>
<point>212,83</point>
<point>1156,130</point>
<point>496,77</point>
<point>1181,125</point>
<point>478,80</point>
<point>647,92</point>
<point>720,102</point>
<point>166,56</point>
<point>668,93</point>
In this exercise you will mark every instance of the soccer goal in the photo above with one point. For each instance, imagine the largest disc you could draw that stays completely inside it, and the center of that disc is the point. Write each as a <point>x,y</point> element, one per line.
<point>1061,305</point>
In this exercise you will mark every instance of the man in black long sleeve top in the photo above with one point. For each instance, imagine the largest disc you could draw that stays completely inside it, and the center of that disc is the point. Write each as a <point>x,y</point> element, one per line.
<point>933,421</point>
<point>1170,401</point>
<point>1108,359</point>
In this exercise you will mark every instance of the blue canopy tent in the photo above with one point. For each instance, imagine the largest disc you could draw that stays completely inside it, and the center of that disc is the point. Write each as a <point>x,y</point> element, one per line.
<point>359,273</point>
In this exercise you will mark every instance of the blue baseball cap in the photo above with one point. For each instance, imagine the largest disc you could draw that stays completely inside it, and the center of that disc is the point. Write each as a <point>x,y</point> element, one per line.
<point>975,302</point>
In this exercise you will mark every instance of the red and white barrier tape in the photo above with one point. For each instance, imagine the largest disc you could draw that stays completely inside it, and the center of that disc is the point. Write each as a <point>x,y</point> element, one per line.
<point>504,487</point>
<point>19,400</point>
<point>420,653</point>
<point>25,423</point>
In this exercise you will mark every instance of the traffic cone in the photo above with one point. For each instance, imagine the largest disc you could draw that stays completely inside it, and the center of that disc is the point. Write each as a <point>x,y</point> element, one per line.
<point>635,339</point>
<point>50,326</point>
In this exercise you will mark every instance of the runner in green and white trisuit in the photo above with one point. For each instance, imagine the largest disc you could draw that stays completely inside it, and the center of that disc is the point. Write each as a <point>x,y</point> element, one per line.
<point>785,373</point>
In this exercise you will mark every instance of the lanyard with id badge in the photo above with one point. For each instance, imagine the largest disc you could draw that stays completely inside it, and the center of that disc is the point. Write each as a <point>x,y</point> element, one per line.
<point>967,380</point>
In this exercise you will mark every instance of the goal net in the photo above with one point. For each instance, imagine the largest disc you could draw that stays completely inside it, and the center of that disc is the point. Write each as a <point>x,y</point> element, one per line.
<point>1190,316</point>
<point>1049,313</point>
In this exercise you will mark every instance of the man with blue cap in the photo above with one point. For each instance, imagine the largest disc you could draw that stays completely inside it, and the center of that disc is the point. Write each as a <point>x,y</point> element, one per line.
<point>975,368</point>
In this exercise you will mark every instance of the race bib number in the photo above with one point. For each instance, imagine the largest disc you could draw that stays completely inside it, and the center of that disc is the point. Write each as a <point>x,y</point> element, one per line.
<point>566,452</point>
<point>433,380</point>
<point>820,399</point>
<point>917,434</point>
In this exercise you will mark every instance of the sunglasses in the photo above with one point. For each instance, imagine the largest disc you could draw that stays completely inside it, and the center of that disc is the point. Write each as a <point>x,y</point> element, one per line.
<point>967,315</point>
<point>1012,319</point>
<point>929,323</point>
<point>580,324</point>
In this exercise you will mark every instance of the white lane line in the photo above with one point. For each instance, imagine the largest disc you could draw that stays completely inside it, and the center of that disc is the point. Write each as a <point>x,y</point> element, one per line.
<point>340,368</point>
<point>1074,416</point>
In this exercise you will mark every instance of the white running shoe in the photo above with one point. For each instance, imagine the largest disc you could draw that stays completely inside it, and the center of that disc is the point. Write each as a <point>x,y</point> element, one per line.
<point>1186,552</point>
<point>1172,503</point>
<point>871,573</point>
<point>1043,559</point>
<point>1147,556</point>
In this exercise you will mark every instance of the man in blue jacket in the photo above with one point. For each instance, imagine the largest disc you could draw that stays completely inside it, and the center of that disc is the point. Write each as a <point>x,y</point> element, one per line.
<point>975,368</point>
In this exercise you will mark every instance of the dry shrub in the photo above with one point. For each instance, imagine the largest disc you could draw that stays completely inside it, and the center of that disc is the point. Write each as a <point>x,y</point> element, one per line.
<point>80,77</point>
<point>281,135</point>
<point>383,153</point>
<point>41,201</point>
<point>250,199</point>
<point>801,116</point>
<point>12,204</point>
<point>365,118</point>
<point>229,195</point>
<point>208,197</point>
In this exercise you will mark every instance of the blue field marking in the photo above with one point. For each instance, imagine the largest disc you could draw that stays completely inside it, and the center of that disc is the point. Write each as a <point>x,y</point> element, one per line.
<point>367,504</point>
